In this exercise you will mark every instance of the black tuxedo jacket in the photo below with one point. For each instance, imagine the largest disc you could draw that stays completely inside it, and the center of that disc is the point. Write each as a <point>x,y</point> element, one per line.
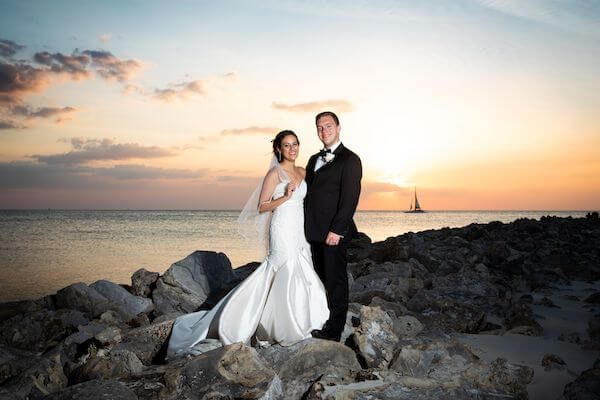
<point>332,195</point>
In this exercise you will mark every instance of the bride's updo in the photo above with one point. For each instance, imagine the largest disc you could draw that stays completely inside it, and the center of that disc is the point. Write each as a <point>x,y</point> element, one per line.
<point>277,142</point>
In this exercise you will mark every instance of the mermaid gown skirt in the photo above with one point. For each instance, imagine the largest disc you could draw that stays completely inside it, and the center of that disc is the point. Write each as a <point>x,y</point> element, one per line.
<point>282,301</point>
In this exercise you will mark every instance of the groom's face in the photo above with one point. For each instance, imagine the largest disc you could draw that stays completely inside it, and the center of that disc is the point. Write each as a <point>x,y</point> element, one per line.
<point>328,131</point>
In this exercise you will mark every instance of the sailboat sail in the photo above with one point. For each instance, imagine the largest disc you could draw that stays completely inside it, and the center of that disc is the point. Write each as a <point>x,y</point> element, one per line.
<point>417,208</point>
<point>417,205</point>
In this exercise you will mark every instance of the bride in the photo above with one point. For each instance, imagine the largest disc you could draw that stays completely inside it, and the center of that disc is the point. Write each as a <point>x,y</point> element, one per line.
<point>283,300</point>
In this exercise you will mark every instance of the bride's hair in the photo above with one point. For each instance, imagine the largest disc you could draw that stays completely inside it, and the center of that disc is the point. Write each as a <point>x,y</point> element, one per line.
<point>277,142</point>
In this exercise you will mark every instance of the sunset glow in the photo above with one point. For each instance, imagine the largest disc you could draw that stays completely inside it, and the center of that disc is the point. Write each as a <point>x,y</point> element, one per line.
<point>479,104</point>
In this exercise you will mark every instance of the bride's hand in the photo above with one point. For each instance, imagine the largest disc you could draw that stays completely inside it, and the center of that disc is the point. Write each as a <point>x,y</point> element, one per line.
<point>289,190</point>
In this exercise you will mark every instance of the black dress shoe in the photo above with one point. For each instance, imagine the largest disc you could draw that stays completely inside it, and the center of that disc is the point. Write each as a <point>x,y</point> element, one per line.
<point>321,334</point>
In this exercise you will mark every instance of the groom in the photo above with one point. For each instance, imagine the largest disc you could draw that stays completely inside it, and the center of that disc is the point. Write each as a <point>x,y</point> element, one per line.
<point>333,176</point>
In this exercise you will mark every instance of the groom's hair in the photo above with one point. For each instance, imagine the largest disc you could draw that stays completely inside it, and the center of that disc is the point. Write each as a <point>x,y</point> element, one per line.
<point>325,114</point>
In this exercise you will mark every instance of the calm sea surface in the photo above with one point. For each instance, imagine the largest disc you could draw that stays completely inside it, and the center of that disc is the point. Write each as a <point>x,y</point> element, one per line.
<point>42,251</point>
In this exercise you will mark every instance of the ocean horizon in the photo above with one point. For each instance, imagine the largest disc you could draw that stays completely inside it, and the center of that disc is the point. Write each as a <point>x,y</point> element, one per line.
<point>43,250</point>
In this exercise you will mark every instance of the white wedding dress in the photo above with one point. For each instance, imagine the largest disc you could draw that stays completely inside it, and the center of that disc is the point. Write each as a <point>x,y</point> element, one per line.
<point>282,301</point>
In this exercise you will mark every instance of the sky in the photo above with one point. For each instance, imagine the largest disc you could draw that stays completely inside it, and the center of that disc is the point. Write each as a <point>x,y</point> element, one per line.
<point>478,104</point>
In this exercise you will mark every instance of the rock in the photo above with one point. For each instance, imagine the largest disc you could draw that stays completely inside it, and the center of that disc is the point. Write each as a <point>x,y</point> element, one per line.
<point>513,377</point>
<point>526,298</point>
<point>42,378</point>
<point>233,371</point>
<point>445,361</point>
<point>14,361</point>
<point>98,389</point>
<point>300,365</point>
<point>143,281</point>
<point>391,308</point>
<point>375,338</point>
<point>594,327</point>
<point>389,250</point>
<point>593,298</point>
<point>467,287</point>
<point>147,342</point>
<point>443,315</point>
<point>572,337</point>
<point>40,330</point>
<point>115,364</point>
<point>10,309</point>
<point>521,315</point>
<point>120,298</point>
<point>188,283</point>
<point>407,326</point>
<point>546,302</point>
<point>79,296</point>
<point>586,386</point>
<point>110,335</point>
<point>552,361</point>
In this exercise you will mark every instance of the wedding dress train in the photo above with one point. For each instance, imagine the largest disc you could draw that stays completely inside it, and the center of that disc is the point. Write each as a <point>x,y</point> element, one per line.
<point>282,301</point>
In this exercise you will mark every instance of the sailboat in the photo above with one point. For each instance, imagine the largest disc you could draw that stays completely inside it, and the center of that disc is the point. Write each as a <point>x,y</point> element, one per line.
<point>417,208</point>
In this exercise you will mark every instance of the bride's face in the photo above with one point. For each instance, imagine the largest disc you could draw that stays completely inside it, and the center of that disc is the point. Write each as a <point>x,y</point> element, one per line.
<point>289,148</point>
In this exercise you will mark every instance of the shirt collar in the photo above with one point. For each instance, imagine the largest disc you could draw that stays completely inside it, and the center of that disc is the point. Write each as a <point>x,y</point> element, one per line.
<point>335,145</point>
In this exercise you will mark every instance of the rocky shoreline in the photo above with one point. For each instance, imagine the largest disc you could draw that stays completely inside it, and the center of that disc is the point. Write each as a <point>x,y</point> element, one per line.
<point>439,314</point>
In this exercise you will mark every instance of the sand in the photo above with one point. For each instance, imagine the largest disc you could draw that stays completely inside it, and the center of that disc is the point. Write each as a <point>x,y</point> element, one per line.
<point>572,316</point>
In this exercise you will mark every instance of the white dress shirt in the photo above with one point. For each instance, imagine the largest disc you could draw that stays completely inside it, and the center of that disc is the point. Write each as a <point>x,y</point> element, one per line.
<point>320,161</point>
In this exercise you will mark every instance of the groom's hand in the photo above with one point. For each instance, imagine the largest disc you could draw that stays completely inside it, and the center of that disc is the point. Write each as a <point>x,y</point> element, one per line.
<point>333,239</point>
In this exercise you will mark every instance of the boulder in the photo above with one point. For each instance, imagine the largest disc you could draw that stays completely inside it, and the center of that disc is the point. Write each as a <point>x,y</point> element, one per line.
<point>39,330</point>
<point>189,283</point>
<point>143,281</point>
<point>97,389</point>
<point>233,371</point>
<point>520,320</point>
<point>585,387</point>
<point>79,296</point>
<point>115,364</point>
<point>552,361</point>
<point>147,342</point>
<point>375,338</point>
<point>594,327</point>
<point>120,298</point>
<point>300,365</point>
<point>44,377</point>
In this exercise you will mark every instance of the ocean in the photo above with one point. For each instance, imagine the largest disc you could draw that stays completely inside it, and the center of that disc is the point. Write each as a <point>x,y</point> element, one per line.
<point>42,251</point>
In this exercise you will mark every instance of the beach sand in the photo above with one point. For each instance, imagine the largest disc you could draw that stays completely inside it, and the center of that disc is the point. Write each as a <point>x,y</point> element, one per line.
<point>571,315</point>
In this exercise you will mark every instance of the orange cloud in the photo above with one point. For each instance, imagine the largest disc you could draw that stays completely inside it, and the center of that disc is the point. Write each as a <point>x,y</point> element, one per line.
<point>251,130</point>
<point>181,90</point>
<point>316,106</point>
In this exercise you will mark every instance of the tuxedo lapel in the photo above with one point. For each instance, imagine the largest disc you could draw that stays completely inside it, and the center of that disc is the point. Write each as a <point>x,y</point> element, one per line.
<point>337,154</point>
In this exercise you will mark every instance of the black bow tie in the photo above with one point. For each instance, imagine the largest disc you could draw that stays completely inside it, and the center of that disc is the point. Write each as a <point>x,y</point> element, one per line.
<point>323,152</point>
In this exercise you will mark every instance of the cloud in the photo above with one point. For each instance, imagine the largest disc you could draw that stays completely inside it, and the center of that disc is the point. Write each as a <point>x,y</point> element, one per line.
<point>19,174</point>
<point>105,38</point>
<point>73,66</point>
<point>44,112</point>
<point>19,78</point>
<point>251,130</point>
<point>368,187</point>
<point>181,90</point>
<point>111,67</point>
<point>316,106</point>
<point>230,76</point>
<point>6,124</point>
<point>86,150</point>
<point>8,48</point>
<point>136,171</point>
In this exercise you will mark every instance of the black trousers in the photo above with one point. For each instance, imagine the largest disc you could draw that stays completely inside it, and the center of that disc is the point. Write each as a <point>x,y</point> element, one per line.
<point>330,264</point>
